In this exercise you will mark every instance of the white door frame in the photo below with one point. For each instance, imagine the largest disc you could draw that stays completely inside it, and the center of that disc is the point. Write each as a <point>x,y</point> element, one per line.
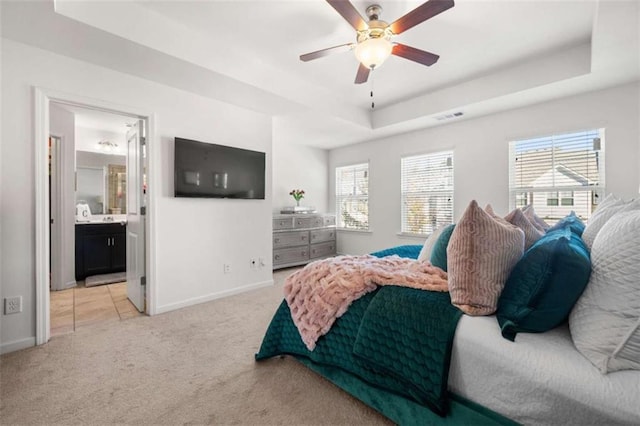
<point>42,98</point>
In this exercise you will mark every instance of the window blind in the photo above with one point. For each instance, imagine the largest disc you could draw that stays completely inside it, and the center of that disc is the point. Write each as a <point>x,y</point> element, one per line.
<point>352,196</point>
<point>558,174</point>
<point>427,192</point>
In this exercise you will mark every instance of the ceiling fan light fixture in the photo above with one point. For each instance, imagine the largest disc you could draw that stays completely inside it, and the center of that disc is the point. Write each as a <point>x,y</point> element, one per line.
<point>372,52</point>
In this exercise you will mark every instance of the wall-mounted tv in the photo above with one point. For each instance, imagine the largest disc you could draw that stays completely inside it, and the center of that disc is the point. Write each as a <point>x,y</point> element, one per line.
<point>205,170</point>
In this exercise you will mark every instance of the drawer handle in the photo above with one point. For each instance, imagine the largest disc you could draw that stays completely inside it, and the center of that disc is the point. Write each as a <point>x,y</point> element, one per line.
<point>313,251</point>
<point>276,240</point>
<point>331,234</point>
<point>277,256</point>
<point>303,237</point>
<point>314,236</point>
<point>304,253</point>
<point>281,223</point>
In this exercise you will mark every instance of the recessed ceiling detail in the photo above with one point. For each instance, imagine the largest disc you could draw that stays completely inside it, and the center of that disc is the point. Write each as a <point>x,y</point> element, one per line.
<point>495,55</point>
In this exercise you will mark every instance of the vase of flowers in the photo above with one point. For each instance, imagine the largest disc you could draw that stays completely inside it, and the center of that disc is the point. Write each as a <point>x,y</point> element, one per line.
<point>297,194</point>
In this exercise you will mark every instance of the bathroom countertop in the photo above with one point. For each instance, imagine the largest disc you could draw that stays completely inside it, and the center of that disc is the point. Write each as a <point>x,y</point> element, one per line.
<point>97,219</point>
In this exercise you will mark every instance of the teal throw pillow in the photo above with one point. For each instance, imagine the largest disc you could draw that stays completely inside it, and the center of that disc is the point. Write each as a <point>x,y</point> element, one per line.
<point>572,221</point>
<point>545,284</point>
<point>439,251</point>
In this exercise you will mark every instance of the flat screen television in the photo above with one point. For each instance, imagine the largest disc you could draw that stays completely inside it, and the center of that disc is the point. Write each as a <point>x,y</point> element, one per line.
<point>205,170</point>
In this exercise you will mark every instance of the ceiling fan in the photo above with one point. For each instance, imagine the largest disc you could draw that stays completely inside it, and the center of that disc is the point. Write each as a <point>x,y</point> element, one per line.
<point>373,38</point>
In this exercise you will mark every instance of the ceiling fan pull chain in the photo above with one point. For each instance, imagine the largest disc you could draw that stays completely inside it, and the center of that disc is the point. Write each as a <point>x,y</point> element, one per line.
<point>373,104</point>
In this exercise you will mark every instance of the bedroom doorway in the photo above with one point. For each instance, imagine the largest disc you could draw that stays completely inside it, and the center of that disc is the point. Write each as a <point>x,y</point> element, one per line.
<point>50,235</point>
<point>90,286</point>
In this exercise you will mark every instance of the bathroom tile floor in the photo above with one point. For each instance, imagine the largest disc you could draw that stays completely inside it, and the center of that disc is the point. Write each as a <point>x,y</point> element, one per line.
<point>82,306</point>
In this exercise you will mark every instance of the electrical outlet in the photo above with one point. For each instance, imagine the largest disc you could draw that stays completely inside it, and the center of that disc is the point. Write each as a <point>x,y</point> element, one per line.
<point>226,268</point>
<point>253,263</point>
<point>12,305</point>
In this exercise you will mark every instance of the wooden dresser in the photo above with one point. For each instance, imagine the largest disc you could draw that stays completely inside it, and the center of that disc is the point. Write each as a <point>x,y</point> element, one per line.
<point>301,238</point>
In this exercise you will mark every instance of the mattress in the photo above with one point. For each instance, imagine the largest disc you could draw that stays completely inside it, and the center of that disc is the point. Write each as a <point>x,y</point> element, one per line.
<point>539,379</point>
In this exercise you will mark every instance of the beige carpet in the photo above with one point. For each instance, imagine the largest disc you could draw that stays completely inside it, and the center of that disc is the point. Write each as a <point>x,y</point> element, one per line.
<point>191,366</point>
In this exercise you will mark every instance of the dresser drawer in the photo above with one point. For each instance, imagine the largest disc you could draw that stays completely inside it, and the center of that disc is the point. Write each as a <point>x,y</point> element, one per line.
<point>323,249</point>
<point>322,235</point>
<point>329,221</point>
<point>290,239</point>
<point>308,222</point>
<point>290,255</point>
<point>283,223</point>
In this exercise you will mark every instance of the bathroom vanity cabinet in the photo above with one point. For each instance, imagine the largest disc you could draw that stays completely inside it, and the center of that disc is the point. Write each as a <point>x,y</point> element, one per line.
<point>101,248</point>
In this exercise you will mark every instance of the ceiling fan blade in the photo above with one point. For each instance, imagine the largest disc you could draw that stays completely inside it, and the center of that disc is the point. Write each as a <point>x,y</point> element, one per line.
<point>363,74</point>
<point>420,14</point>
<point>324,52</point>
<point>349,12</point>
<point>413,54</point>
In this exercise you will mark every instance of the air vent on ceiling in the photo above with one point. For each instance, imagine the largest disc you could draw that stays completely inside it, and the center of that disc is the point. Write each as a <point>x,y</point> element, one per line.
<point>449,116</point>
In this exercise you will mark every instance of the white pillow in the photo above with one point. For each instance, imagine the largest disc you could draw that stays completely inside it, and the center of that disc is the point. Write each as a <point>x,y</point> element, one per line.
<point>603,213</point>
<point>609,199</point>
<point>605,322</point>
<point>425,253</point>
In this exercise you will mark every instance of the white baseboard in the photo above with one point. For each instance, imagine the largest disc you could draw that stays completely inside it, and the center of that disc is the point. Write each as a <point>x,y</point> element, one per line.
<point>212,296</point>
<point>17,345</point>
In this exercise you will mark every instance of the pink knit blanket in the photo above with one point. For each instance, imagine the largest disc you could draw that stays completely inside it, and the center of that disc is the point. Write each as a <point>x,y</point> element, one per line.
<point>322,291</point>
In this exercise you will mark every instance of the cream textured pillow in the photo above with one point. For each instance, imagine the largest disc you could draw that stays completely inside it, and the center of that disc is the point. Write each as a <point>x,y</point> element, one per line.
<point>605,322</point>
<point>531,233</point>
<point>425,252</point>
<point>481,253</point>
<point>603,213</point>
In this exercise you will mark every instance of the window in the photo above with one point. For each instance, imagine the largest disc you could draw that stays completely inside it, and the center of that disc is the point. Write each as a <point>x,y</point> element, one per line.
<point>558,174</point>
<point>427,192</point>
<point>352,196</point>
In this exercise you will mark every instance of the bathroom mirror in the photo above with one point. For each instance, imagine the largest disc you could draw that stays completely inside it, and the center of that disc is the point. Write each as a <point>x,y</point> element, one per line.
<point>90,188</point>
<point>101,182</point>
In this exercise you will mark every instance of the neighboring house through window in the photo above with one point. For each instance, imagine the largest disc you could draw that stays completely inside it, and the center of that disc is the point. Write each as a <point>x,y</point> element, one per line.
<point>558,174</point>
<point>427,192</point>
<point>352,196</point>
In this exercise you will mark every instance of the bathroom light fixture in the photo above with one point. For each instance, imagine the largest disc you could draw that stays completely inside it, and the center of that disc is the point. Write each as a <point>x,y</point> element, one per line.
<point>107,146</point>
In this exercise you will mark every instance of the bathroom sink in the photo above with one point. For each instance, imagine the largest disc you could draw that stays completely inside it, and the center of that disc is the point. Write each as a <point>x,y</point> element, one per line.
<point>99,219</point>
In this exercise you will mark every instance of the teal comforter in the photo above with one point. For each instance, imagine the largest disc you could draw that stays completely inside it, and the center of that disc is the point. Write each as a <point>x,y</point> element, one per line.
<point>396,338</point>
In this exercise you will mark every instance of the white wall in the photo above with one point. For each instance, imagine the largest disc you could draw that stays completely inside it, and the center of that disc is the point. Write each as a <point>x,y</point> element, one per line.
<point>96,159</point>
<point>481,157</point>
<point>193,237</point>
<point>62,125</point>
<point>296,166</point>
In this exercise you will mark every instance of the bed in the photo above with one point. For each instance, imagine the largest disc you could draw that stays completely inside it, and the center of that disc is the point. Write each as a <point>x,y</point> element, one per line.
<point>541,379</point>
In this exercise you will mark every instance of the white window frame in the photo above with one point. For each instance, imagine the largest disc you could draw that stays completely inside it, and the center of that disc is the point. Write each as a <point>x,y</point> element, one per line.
<point>558,192</point>
<point>427,190</point>
<point>352,196</point>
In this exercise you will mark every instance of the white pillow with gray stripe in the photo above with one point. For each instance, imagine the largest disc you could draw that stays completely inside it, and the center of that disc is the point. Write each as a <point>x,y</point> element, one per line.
<point>605,322</point>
